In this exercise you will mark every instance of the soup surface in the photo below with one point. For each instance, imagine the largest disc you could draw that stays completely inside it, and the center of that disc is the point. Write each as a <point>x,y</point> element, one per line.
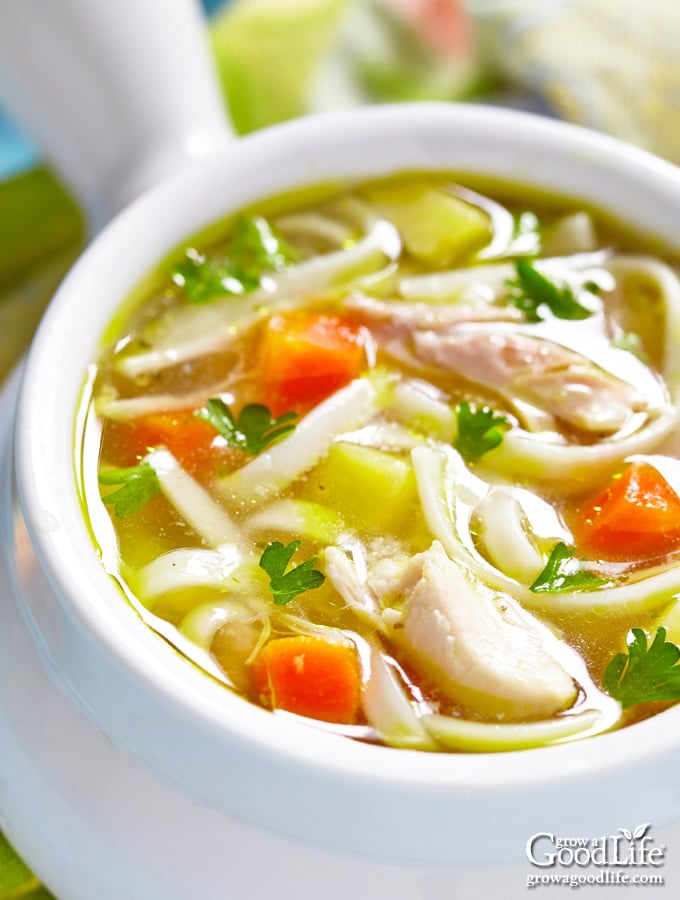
<point>403,460</point>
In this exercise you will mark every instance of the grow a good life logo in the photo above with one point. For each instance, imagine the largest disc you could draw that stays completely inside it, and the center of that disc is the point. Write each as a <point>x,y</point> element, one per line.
<point>627,857</point>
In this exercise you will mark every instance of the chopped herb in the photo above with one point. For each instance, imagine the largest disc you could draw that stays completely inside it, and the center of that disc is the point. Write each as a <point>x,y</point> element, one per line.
<point>533,290</point>
<point>644,674</point>
<point>592,287</point>
<point>631,343</point>
<point>255,249</point>
<point>202,279</point>
<point>563,572</point>
<point>139,485</point>
<point>253,430</point>
<point>285,586</point>
<point>480,429</point>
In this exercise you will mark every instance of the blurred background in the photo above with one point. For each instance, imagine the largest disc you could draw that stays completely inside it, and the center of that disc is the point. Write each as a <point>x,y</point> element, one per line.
<point>612,65</point>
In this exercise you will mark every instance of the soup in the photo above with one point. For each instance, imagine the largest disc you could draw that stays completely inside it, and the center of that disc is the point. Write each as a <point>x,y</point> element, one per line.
<point>402,460</point>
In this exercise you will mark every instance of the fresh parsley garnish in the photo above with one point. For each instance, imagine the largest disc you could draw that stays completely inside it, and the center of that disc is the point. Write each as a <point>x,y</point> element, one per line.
<point>532,290</point>
<point>563,572</point>
<point>285,586</point>
<point>644,673</point>
<point>480,429</point>
<point>253,430</point>
<point>139,484</point>
<point>255,250</point>
<point>201,279</point>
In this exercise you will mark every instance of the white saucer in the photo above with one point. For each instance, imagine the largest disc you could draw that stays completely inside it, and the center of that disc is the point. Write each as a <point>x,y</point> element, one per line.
<point>86,817</point>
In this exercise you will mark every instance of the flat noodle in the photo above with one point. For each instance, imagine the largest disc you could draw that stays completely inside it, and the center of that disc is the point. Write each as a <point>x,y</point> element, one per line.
<point>462,734</point>
<point>571,467</point>
<point>495,276</point>
<point>625,265</point>
<point>272,471</point>
<point>206,517</point>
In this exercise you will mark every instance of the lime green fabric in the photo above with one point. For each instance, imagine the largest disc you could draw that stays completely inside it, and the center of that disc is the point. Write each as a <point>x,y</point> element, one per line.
<point>267,52</point>
<point>16,880</point>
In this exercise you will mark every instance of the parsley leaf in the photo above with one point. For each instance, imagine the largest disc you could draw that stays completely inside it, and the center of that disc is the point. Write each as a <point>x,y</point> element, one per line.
<point>202,280</point>
<point>644,674</point>
<point>563,572</point>
<point>252,431</point>
<point>532,290</point>
<point>139,485</point>
<point>480,429</point>
<point>285,586</point>
<point>255,249</point>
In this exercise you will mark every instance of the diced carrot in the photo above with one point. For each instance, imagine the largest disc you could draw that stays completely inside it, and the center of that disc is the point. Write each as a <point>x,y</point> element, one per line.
<point>193,442</point>
<point>309,676</point>
<point>305,357</point>
<point>637,515</point>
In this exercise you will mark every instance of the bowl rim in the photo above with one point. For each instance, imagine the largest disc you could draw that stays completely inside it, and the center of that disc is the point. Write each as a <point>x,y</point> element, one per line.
<point>44,450</point>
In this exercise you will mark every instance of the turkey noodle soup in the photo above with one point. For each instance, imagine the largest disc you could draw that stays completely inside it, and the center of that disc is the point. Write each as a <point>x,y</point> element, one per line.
<point>402,461</point>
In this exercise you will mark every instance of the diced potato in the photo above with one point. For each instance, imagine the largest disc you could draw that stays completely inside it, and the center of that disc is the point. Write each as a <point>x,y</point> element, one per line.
<point>436,227</point>
<point>372,490</point>
<point>301,518</point>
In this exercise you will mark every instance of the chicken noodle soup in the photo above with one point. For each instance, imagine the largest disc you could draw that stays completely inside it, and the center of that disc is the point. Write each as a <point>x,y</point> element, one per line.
<point>403,462</point>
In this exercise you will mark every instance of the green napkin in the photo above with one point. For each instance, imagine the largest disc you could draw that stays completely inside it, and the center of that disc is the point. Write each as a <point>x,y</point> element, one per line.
<point>16,880</point>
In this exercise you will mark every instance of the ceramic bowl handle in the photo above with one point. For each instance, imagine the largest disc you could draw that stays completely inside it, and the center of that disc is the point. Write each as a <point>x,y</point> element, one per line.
<point>118,95</point>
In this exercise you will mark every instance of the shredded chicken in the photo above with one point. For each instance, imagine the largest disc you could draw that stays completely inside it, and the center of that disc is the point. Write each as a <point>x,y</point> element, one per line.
<point>538,371</point>
<point>483,648</point>
<point>394,318</point>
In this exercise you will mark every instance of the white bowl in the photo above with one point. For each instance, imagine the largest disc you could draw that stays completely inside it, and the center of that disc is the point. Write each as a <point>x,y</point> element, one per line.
<point>124,771</point>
